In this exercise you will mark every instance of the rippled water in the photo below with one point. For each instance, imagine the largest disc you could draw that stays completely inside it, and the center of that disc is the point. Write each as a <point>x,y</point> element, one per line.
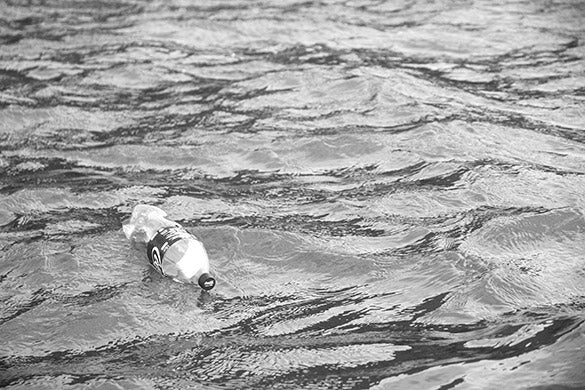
<point>392,194</point>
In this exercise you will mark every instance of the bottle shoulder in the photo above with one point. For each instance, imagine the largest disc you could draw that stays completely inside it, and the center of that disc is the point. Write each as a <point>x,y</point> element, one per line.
<point>185,259</point>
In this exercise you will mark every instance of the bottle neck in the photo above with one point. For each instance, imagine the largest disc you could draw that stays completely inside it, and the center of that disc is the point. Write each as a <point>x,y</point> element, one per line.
<point>206,281</point>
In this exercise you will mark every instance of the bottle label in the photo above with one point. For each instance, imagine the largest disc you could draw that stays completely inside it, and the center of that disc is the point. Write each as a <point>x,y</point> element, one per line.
<point>161,242</point>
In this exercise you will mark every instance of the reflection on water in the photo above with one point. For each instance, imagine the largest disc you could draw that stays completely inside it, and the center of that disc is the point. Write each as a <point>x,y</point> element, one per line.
<point>392,194</point>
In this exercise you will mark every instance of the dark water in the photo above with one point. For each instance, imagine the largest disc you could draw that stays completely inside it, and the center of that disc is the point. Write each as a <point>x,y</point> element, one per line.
<point>392,194</point>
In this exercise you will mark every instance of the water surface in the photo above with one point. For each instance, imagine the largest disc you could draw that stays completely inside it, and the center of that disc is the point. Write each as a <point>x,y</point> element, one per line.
<point>391,193</point>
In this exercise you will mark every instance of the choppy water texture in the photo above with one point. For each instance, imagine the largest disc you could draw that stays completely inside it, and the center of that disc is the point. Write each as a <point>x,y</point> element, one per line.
<point>392,194</point>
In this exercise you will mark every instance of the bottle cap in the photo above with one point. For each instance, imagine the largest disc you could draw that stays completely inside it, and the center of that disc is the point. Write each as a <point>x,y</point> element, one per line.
<point>206,281</point>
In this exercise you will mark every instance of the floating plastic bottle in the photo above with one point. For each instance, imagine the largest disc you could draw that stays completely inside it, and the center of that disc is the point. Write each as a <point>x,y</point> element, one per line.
<point>171,250</point>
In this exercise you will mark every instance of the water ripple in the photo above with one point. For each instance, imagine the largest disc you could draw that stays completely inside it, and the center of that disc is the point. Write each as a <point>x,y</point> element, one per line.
<point>391,193</point>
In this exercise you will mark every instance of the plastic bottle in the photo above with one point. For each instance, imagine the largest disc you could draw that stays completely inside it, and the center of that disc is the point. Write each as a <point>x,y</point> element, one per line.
<point>171,250</point>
